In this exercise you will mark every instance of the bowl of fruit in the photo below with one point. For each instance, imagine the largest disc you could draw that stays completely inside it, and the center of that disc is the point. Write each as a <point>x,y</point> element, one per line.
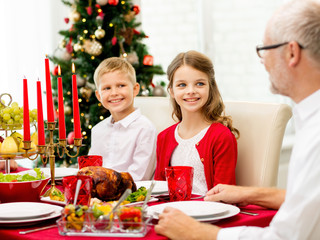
<point>24,186</point>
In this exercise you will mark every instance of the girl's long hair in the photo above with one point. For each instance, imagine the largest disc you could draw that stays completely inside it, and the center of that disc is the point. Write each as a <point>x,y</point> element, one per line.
<point>213,110</point>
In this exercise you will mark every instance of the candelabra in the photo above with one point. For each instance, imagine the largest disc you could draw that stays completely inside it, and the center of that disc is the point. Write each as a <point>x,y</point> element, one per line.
<point>47,151</point>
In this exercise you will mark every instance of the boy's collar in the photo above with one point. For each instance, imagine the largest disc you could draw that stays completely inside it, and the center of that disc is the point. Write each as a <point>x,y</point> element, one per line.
<point>125,122</point>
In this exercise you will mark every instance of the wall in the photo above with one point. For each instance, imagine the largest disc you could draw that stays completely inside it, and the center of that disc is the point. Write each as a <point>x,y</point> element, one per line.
<point>227,31</point>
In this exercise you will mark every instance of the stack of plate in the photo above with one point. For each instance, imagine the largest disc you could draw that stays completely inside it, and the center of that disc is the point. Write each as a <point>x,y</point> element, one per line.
<point>200,210</point>
<point>27,213</point>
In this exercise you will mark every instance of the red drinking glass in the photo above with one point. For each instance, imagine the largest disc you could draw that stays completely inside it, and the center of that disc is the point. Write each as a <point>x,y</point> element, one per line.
<point>69,185</point>
<point>180,181</point>
<point>89,160</point>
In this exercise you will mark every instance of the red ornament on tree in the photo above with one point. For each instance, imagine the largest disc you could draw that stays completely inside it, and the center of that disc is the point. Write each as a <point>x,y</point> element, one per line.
<point>101,15</point>
<point>70,138</point>
<point>136,9</point>
<point>55,71</point>
<point>114,41</point>
<point>136,32</point>
<point>69,48</point>
<point>113,2</point>
<point>66,20</point>
<point>148,60</point>
<point>89,10</point>
<point>56,115</point>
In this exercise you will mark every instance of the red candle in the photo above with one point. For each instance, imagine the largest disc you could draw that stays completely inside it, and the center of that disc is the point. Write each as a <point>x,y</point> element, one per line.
<point>41,137</point>
<point>76,112</point>
<point>62,123</point>
<point>26,120</point>
<point>50,111</point>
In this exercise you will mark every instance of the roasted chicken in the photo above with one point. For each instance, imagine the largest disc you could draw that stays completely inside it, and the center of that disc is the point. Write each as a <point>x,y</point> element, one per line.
<point>108,184</point>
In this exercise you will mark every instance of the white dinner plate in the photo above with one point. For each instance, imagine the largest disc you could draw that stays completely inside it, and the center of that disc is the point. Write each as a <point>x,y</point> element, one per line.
<point>26,222</point>
<point>159,188</point>
<point>23,210</point>
<point>60,172</point>
<point>200,210</point>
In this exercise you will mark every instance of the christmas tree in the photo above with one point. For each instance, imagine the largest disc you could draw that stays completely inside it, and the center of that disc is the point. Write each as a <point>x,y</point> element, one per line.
<point>99,29</point>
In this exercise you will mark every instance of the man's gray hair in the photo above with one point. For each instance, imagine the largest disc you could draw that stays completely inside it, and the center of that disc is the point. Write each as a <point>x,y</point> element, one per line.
<point>298,20</point>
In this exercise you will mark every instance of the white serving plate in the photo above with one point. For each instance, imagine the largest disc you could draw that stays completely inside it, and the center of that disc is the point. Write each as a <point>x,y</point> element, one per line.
<point>60,172</point>
<point>159,188</point>
<point>48,200</point>
<point>141,202</point>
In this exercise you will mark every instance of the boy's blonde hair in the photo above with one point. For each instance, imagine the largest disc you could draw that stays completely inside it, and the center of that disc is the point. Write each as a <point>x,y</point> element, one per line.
<point>114,64</point>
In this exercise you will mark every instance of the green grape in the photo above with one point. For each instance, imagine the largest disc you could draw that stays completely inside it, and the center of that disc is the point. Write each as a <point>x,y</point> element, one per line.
<point>10,121</point>
<point>14,105</point>
<point>6,110</point>
<point>17,118</point>
<point>21,121</point>
<point>6,117</point>
<point>16,110</point>
<point>34,114</point>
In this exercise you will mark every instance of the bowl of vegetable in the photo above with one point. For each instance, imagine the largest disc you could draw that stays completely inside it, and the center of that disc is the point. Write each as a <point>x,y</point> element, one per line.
<point>24,186</point>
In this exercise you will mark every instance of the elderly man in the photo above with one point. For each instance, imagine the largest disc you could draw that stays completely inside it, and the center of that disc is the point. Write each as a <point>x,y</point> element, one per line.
<point>291,55</point>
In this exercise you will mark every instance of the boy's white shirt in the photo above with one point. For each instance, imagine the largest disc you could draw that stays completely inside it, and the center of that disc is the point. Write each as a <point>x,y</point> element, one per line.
<point>128,145</point>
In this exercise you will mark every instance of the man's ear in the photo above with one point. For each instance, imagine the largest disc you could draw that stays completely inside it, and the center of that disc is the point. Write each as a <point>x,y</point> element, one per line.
<point>294,53</point>
<point>136,89</point>
<point>98,95</point>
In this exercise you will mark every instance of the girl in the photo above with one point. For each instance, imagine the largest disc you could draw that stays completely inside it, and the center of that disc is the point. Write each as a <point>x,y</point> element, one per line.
<point>203,138</point>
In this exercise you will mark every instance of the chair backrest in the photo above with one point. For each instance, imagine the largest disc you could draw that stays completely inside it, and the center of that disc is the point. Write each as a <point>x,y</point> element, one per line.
<point>157,109</point>
<point>262,127</point>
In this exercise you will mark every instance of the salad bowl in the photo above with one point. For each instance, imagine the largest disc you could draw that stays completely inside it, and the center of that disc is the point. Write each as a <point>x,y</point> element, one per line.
<point>24,186</point>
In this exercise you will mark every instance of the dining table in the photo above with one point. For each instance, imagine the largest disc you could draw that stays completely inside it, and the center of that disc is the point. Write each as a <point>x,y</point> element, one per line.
<point>261,218</point>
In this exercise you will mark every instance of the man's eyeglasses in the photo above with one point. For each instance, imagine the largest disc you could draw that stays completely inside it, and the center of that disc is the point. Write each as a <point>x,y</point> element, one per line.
<point>260,48</point>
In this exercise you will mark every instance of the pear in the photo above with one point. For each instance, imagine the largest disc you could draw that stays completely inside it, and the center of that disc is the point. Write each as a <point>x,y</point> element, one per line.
<point>8,146</point>
<point>34,138</point>
<point>33,149</point>
<point>17,137</point>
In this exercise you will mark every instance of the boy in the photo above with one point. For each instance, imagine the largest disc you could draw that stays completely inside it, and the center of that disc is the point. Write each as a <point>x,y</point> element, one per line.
<point>126,140</point>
